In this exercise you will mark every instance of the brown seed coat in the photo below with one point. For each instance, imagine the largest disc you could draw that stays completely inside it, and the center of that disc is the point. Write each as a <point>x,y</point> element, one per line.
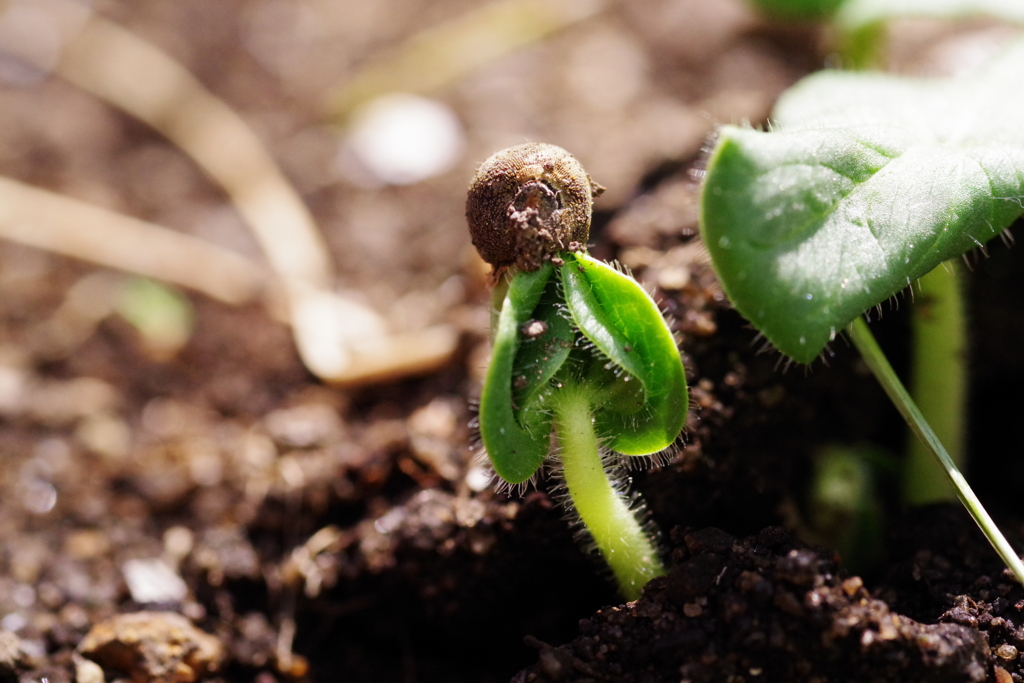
<point>528,203</point>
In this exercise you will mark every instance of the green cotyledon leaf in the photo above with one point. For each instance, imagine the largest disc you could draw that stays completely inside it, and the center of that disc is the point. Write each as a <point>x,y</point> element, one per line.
<point>516,441</point>
<point>545,341</point>
<point>625,325</point>
<point>869,182</point>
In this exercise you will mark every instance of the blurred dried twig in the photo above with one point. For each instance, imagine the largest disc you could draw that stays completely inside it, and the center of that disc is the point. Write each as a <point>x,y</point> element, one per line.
<point>133,75</point>
<point>442,55</point>
<point>47,220</point>
<point>130,73</point>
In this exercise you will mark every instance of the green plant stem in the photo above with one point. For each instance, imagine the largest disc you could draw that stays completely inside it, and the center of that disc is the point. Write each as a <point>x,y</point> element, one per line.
<point>879,364</point>
<point>620,538</point>
<point>938,383</point>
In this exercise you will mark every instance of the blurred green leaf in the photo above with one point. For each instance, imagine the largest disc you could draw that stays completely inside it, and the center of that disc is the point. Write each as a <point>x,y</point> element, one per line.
<point>797,10</point>
<point>161,314</point>
<point>855,14</point>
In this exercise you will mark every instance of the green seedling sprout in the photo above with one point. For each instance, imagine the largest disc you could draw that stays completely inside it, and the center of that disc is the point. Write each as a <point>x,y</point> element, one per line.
<point>579,350</point>
<point>845,510</point>
<point>937,381</point>
<point>868,183</point>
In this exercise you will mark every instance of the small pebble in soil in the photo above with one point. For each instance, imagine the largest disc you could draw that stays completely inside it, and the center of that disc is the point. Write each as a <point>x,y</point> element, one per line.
<point>1007,652</point>
<point>12,656</point>
<point>401,139</point>
<point>87,671</point>
<point>158,647</point>
<point>153,581</point>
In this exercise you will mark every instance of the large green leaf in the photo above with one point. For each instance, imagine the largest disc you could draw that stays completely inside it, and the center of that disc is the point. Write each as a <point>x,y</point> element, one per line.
<point>516,442</point>
<point>870,182</point>
<point>624,324</point>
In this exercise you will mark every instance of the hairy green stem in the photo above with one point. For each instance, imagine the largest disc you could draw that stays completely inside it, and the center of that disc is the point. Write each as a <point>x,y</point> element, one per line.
<point>938,383</point>
<point>879,364</point>
<point>620,538</point>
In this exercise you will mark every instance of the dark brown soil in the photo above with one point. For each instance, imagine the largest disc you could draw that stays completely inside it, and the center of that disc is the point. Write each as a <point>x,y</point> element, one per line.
<point>324,534</point>
<point>760,609</point>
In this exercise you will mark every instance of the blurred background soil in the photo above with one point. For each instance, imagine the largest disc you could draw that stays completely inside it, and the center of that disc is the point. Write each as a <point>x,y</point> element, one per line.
<point>348,533</point>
